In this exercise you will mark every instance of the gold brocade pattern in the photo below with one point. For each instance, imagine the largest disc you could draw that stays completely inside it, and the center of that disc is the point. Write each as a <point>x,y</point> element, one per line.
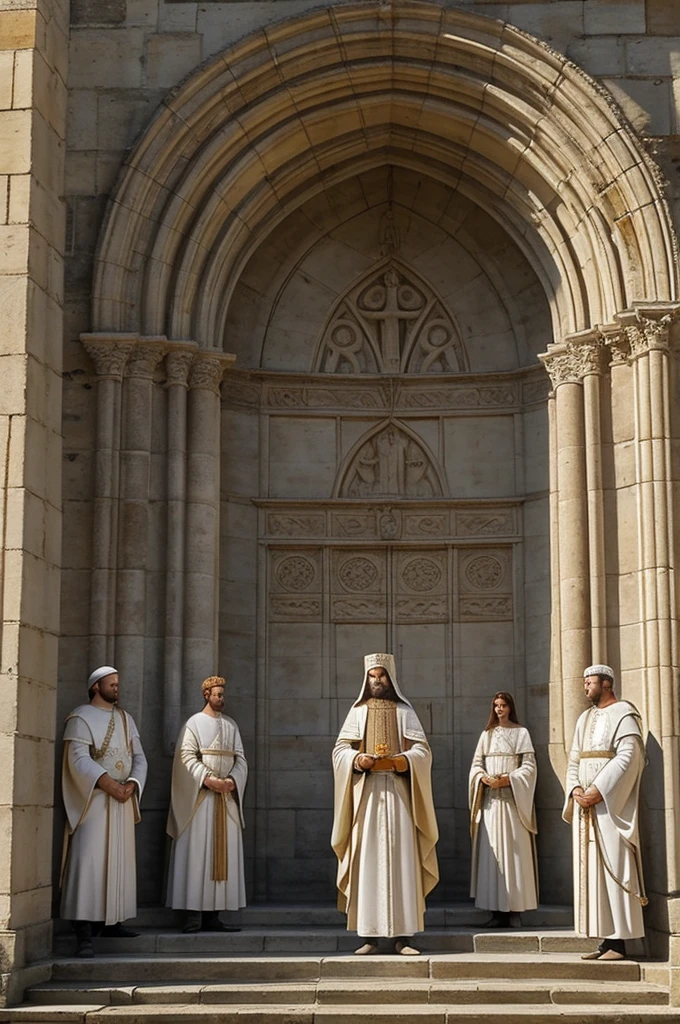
<point>381,734</point>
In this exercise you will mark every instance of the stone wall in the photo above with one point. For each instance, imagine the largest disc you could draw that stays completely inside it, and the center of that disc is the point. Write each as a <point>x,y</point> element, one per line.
<point>33,67</point>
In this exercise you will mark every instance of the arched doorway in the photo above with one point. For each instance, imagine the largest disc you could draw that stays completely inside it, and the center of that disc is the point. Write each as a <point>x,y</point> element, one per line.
<point>363,140</point>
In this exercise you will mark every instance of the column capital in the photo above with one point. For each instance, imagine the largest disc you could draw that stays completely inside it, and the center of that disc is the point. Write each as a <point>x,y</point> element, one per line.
<point>109,352</point>
<point>647,327</point>
<point>208,369</point>
<point>578,356</point>
<point>180,356</point>
<point>145,356</point>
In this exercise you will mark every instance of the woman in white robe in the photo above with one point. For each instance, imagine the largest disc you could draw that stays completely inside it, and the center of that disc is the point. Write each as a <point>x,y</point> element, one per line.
<point>502,816</point>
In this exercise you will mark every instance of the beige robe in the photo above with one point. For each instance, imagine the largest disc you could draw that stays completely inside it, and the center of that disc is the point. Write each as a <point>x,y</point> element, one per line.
<point>206,746</point>
<point>503,822</point>
<point>99,877</point>
<point>608,883</point>
<point>384,830</point>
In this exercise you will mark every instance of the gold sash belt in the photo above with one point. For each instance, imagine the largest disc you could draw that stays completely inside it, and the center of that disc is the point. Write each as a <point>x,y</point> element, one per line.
<point>217,753</point>
<point>598,753</point>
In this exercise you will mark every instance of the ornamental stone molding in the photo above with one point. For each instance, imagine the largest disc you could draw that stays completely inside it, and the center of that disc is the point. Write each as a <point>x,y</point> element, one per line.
<point>109,353</point>
<point>647,328</point>
<point>145,357</point>
<point>571,361</point>
<point>207,371</point>
<point>177,365</point>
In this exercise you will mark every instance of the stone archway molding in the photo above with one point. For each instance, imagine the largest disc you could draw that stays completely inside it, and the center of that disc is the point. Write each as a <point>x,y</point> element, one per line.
<point>465,99</point>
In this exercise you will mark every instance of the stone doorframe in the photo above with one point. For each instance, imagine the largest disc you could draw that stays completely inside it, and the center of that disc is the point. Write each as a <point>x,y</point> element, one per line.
<point>567,178</point>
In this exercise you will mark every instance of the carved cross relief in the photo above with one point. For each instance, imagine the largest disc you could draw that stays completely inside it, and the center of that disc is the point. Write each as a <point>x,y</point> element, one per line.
<point>390,322</point>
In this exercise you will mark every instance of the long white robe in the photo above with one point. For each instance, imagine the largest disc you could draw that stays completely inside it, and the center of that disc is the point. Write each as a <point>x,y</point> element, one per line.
<point>384,829</point>
<point>99,878</point>
<point>503,822</point>
<point>191,821</point>
<point>606,842</point>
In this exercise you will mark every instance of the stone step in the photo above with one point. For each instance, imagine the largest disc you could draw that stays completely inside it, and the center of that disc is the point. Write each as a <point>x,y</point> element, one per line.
<point>288,915</point>
<point>253,940</point>
<point>130,970</point>
<point>358,1013</point>
<point>365,991</point>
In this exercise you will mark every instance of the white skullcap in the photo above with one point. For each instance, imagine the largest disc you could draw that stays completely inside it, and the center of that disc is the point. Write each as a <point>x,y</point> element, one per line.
<point>100,673</point>
<point>599,670</point>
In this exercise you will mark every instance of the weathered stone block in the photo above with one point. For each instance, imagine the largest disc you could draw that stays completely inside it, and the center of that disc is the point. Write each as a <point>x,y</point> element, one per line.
<point>97,12</point>
<point>112,59</point>
<point>648,56</point>
<point>170,57</point>
<point>646,102</point>
<point>15,141</point>
<point>663,18</point>
<point>17,29</point>
<point>613,16</point>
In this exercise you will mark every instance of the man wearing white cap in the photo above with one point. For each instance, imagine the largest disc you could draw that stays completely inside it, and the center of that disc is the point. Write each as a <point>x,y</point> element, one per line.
<point>602,790</point>
<point>103,775</point>
<point>384,829</point>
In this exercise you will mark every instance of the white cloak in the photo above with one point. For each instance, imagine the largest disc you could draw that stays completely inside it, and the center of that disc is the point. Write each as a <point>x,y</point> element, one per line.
<point>503,822</point>
<point>99,876</point>
<point>384,828</point>
<point>206,746</point>
<point>608,883</point>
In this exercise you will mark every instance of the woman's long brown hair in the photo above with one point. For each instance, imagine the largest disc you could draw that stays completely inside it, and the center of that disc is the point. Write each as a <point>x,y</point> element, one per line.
<point>493,719</point>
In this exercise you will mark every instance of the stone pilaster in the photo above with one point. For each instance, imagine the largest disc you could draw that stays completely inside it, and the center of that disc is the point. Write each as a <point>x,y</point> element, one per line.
<point>201,576</point>
<point>134,526</point>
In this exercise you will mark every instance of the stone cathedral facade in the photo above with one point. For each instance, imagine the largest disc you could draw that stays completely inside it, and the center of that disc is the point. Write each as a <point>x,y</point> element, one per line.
<point>330,329</point>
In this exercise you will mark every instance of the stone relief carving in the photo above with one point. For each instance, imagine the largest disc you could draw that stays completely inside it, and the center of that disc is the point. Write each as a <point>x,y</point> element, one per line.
<point>391,463</point>
<point>412,609</point>
<point>474,524</point>
<point>355,609</point>
<point>294,609</point>
<point>353,524</point>
<point>109,358</point>
<point>280,525</point>
<point>484,572</point>
<point>390,322</point>
<point>535,391</point>
<point>648,334</point>
<point>487,609</point>
<point>144,358</point>
<point>206,373</point>
<point>358,573</point>
<point>389,523</point>
<point>459,398</point>
<point>326,398</point>
<point>421,574</point>
<point>295,572</point>
<point>177,366</point>
<point>426,526</point>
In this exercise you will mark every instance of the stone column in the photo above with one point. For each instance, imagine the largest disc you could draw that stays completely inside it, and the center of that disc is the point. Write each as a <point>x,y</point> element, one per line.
<point>571,633</point>
<point>201,577</point>
<point>109,354</point>
<point>178,363</point>
<point>647,329</point>
<point>133,532</point>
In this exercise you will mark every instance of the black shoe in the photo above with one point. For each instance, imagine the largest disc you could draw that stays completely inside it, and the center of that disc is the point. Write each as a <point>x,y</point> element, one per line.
<point>84,947</point>
<point>118,931</point>
<point>193,922</point>
<point>499,919</point>
<point>212,923</point>
<point>85,950</point>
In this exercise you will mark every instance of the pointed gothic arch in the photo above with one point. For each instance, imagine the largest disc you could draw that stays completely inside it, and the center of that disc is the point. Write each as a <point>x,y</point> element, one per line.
<point>390,461</point>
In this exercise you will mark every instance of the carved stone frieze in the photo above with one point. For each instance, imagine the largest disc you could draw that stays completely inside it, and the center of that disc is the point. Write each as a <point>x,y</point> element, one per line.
<point>389,524</point>
<point>353,524</point>
<point>326,398</point>
<point>421,574</point>
<point>358,573</point>
<point>301,524</point>
<point>414,609</point>
<point>240,394</point>
<point>484,524</point>
<point>283,608</point>
<point>206,373</point>
<point>459,397</point>
<point>391,463</point>
<point>359,609</point>
<point>434,525</point>
<point>484,572</point>
<point>390,322</point>
<point>534,391</point>
<point>485,609</point>
<point>575,360</point>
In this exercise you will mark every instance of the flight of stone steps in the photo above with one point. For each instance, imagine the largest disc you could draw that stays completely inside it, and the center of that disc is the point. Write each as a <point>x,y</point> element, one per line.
<point>278,972</point>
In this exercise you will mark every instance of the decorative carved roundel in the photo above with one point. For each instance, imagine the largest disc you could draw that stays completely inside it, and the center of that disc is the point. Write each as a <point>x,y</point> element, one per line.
<point>484,572</point>
<point>357,573</point>
<point>295,573</point>
<point>421,574</point>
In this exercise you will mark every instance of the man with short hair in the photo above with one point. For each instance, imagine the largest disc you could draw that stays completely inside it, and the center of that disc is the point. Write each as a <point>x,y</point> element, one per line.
<point>209,777</point>
<point>385,829</point>
<point>602,790</point>
<point>103,775</point>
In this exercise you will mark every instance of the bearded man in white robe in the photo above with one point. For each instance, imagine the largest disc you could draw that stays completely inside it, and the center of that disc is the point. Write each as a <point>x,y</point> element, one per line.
<point>384,829</point>
<point>206,816</point>
<point>602,793</point>
<point>103,775</point>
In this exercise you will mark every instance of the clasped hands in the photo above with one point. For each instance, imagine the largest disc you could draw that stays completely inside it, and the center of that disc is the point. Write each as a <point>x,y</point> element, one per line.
<point>219,785</point>
<point>366,762</point>
<point>496,781</point>
<point>120,791</point>
<point>587,797</point>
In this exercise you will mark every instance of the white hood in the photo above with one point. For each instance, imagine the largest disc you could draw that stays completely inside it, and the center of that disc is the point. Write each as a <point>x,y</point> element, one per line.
<point>387,662</point>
